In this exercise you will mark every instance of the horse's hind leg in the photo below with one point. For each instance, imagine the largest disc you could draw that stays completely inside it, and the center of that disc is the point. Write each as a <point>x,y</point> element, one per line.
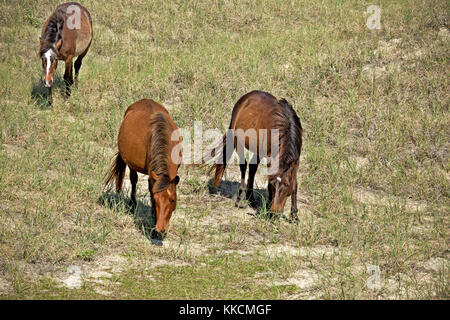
<point>241,200</point>
<point>68,76</point>
<point>134,180</point>
<point>77,65</point>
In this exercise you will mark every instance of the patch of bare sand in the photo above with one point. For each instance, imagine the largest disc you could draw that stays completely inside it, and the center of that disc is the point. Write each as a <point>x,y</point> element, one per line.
<point>12,150</point>
<point>102,268</point>
<point>5,285</point>
<point>316,252</point>
<point>287,250</point>
<point>443,34</point>
<point>304,279</point>
<point>392,56</point>
<point>103,292</point>
<point>436,265</point>
<point>158,262</point>
<point>388,49</point>
<point>360,162</point>
<point>72,278</point>
<point>403,285</point>
<point>189,249</point>
<point>378,198</point>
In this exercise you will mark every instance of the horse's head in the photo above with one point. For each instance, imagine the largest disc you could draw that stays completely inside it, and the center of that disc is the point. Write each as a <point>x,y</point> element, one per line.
<point>165,202</point>
<point>282,185</point>
<point>49,57</point>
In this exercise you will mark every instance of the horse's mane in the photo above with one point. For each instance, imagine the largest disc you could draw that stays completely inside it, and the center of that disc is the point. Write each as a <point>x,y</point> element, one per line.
<point>290,137</point>
<point>159,151</point>
<point>53,32</point>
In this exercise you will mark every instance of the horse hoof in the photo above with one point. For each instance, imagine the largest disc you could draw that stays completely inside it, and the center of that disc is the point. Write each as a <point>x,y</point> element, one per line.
<point>156,242</point>
<point>294,216</point>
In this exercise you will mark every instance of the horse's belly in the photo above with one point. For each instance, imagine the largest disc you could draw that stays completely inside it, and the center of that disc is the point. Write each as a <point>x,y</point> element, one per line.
<point>133,160</point>
<point>81,45</point>
<point>253,133</point>
<point>133,150</point>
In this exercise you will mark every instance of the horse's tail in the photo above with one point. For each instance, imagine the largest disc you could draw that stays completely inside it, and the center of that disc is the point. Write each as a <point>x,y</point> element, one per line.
<point>220,167</point>
<point>116,172</point>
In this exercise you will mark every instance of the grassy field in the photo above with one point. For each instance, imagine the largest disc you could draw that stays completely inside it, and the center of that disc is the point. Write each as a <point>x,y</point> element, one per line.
<point>374,171</point>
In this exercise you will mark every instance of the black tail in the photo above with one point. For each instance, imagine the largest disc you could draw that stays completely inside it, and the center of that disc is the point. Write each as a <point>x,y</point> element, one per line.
<point>116,172</point>
<point>220,167</point>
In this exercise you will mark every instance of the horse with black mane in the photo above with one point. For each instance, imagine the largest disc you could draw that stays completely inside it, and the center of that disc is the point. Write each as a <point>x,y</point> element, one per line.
<point>149,143</point>
<point>263,113</point>
<point>66,34</point>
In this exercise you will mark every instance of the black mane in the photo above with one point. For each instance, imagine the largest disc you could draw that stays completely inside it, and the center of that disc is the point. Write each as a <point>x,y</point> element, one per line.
<point>159,152</point>
<point>53,33</point>
<point>290,135</point>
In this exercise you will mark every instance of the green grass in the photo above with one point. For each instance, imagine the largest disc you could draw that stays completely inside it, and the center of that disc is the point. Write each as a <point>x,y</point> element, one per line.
<point>373,183</point>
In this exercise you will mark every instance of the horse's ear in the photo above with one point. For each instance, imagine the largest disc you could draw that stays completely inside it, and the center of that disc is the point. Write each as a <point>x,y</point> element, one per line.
<point>58,44</point>
<point>176,180</point>
<point>154,175</point>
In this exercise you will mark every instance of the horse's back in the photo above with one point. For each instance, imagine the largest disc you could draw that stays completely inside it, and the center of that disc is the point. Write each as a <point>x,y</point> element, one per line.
<point>135,133</point>
<point>80,34</point>
<point>146,106</point>
<point>262,112</point>
<point>254,111</point>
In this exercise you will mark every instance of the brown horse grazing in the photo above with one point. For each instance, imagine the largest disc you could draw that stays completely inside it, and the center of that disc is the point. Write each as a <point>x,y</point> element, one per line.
<point>148,140</point>
<point>263,113</point>
<point>66,34</point>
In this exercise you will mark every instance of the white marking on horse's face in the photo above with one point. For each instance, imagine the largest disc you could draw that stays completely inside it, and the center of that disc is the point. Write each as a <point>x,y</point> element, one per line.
<point>47,56</point>
<point>278,179</point>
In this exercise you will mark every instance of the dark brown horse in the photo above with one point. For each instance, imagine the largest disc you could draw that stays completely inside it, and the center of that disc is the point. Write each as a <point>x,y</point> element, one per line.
<point>66,34</point>
<point>273,121</point>
<point>149,143</point>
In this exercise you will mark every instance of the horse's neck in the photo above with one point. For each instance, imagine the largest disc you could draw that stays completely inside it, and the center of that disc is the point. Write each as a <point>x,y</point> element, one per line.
<point>53,30</point>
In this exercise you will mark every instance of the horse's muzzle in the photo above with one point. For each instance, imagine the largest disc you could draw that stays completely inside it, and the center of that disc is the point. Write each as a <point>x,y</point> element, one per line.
<point>48,84</point>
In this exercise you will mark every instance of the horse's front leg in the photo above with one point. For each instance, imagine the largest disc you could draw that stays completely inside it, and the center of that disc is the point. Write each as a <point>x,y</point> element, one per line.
<point>153,203</point>
<point>253,167</point>
<point>270,190</point>
<point>50,97</point>
<point>294,209</point>
<point>153,233</point>
<point>241,202</point>
<point>68,76</point>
